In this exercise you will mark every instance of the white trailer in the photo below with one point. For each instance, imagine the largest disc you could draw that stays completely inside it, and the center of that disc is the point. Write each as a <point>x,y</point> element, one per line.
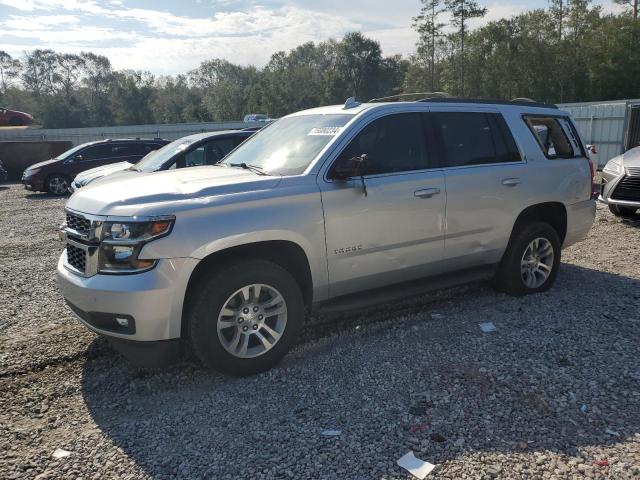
<point>612,126</point>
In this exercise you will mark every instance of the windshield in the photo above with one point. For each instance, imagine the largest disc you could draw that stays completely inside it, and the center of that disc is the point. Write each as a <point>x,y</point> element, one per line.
<point>288,145</point>
<point>154,161</point>
<point>69,153</point>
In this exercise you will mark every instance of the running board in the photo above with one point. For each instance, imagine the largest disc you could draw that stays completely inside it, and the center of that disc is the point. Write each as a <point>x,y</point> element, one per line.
<point>399,291</point>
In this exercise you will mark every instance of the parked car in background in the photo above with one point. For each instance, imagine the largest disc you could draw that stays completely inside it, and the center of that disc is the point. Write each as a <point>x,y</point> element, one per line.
<point>320,208</point>
<point>256,117</point>
<point>14,118</point>
<point>190,151</point>
<point>4,175</point>
<point>54,176</point>
<point>620,188</point>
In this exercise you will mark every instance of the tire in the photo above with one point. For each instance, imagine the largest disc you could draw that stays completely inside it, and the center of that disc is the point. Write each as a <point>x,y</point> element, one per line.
<point>622,212</point>
<point>512,278</point>
<point>57,184</point>
<point>227,289</point>
<point>16,122</point>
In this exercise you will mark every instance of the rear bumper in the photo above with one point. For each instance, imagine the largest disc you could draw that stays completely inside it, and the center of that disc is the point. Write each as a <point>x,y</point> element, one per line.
<point>580,217</point>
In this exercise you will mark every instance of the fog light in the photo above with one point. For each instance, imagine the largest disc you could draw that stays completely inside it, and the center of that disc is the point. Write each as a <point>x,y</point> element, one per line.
<point>123,322</point>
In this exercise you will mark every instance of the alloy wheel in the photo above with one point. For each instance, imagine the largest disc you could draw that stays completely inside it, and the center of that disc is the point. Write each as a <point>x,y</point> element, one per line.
<point>252,320</point>
<point>537,262</point>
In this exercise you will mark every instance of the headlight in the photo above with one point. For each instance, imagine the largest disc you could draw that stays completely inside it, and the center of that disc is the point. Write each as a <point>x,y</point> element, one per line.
<point>122,241</point>
<point>613,166</point>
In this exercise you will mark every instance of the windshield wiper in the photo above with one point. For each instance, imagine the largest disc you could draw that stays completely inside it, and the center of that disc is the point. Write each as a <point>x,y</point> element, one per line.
<point>253,168</point>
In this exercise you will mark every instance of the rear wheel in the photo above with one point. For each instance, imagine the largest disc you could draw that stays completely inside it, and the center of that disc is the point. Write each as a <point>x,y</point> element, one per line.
<point>245,317</point>
<point>531,262</point>
<point>623,212</point>
<point>57,184</point>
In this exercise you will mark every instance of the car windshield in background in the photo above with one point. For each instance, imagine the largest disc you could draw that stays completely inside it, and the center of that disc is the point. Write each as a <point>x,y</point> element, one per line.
<point>289,145</point>
<point>70,153</point>
<point>154,161</point>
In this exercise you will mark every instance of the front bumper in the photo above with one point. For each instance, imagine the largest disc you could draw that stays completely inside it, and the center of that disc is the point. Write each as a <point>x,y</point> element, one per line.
<point>151,301</point>
<point>607,189</point>
<point>33,184</point>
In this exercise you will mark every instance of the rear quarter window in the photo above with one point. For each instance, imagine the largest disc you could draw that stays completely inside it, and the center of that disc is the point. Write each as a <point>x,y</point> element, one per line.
<point>555,136</point>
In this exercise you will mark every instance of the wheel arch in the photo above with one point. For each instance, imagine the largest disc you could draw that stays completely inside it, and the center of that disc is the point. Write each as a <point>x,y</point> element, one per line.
<point>285,253</point>
<point>553,213</point>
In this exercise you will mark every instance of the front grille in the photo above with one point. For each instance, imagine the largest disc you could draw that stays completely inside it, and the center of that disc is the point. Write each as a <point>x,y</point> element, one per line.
<point>77,258</point>
<point>633,171</point>
<point>79,224</point>
<point>628,189</point>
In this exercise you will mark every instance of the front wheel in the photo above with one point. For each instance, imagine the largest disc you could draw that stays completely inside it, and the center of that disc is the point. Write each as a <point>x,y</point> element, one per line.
<point>58,185</point>
<point>245,317</point>
<point>623,212</point>
<point>531,262</point>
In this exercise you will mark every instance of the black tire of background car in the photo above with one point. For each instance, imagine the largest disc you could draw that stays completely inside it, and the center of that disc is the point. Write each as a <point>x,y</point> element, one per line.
<point>508,278</point>
<point>58,176</point>
<point>210,296</point>
<point>623,212</point>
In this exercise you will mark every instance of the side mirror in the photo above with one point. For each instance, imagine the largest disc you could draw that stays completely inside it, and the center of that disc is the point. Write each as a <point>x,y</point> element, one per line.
<point>78,158</point>
<point>346,168</point>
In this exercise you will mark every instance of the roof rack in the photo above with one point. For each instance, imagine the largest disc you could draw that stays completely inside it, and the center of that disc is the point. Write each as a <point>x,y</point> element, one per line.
<point>524,102</point>
<point>424,95</point>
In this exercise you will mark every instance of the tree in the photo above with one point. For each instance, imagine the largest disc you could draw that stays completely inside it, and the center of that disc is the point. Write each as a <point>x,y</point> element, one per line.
<point>10,69</point>
<point>632,4</point>
<point>97,77</point>
<point>430,29</point>
<point>461,12</point>
<point>70,69</point>
<point>40,74</point>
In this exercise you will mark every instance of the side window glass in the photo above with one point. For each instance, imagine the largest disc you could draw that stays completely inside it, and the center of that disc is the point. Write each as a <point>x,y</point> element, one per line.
<point>506,148</point>
<point>194,157</point>
<point>218,149</point>
<point>394,143</point>
<point>96,152</point>
<point>123,150</point>
<point>466,138</point>
<point>550,136</point>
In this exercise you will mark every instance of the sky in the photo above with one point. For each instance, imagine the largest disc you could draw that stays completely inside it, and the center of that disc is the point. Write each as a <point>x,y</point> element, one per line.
<point>170,37</point>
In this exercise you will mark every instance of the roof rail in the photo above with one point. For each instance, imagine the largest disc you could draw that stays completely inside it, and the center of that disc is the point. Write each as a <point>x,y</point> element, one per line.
<point>425,95</point>
<point>516,101</point>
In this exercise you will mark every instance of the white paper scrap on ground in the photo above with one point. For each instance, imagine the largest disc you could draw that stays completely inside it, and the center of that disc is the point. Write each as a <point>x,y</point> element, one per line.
<point>330,433</point>
<point>612,432</point>
<point>437,316</point>
<point>415,466</point>
<point>487,327</point>
<point>60,453</point>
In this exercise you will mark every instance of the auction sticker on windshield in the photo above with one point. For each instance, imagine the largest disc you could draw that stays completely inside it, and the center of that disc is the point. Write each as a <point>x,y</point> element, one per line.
<point>325,131</point>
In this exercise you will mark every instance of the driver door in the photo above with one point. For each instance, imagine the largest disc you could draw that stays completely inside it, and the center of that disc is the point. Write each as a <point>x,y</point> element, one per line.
<point>394,232</point>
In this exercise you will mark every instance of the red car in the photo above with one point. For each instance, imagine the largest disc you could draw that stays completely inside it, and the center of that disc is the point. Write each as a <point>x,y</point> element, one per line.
<point>14,118</point>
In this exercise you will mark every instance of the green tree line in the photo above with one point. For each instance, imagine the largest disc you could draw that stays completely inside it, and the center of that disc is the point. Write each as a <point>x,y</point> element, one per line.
<point>570,51</point>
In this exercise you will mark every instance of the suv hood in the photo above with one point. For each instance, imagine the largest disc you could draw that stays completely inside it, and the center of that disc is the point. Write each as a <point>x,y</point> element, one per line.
<point>161,193</point>
<point>90,175</point>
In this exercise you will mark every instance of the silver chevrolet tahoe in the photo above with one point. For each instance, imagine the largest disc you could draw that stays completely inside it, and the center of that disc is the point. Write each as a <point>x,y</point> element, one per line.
<point>326,208</point>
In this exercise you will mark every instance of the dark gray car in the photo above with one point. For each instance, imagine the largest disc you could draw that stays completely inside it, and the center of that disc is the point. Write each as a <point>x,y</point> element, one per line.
<point>620,187</point>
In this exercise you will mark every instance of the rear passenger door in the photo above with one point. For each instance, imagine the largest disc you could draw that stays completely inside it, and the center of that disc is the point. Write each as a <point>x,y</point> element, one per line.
<point>484,176</point>
<point>394,232</point>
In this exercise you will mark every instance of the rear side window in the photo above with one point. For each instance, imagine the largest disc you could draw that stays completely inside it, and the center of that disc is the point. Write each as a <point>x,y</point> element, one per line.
<point>394,143</point>
<point>473,138</point>
<point>551,136</point>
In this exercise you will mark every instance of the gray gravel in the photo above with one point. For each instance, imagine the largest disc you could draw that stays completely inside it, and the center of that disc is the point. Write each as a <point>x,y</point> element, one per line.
<point>532,400</point>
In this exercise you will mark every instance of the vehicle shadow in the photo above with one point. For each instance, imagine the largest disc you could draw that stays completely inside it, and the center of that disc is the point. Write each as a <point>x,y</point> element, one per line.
<point>560,370</point>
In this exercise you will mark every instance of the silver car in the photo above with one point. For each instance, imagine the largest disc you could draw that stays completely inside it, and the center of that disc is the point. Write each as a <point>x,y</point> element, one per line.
<point>620,188</point>
<point>325,208</point>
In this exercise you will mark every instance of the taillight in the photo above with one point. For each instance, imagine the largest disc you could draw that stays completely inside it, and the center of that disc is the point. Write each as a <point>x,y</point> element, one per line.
<point>594,187</point>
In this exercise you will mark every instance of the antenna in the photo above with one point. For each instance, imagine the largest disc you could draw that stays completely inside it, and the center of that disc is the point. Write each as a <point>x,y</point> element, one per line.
<point>350,102</point>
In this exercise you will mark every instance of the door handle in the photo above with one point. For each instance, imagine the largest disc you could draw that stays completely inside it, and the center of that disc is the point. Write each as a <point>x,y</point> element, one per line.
<point>511,182</point>
<point>426,192</point>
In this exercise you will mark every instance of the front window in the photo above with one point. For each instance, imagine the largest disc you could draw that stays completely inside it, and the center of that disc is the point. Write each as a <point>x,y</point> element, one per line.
<point>155,160</point>
<point>70,153</point>
<point>288,146</point>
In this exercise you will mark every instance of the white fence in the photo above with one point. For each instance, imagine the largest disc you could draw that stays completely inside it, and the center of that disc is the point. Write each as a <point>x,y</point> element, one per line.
<point>604,124</point>
<point>82,135</point>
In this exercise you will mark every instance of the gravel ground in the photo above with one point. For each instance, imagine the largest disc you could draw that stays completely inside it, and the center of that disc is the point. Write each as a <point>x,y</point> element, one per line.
<point>554,392</point>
